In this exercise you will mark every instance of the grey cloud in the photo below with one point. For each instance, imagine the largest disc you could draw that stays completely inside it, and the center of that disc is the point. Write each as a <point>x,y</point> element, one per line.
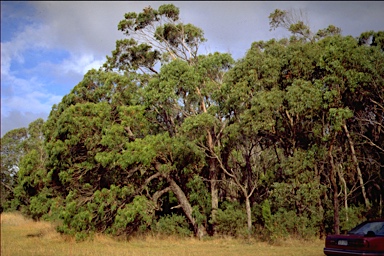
<point>229,25</point>
<point>353,17</point>
<point>17,119</point>
<point>85,27</point>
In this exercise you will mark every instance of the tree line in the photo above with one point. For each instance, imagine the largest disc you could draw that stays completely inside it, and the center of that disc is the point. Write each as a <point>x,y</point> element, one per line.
<point>288,140</point>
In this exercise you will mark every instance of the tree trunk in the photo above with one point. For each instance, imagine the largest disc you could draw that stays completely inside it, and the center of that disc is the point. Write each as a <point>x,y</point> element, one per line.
<point>186,206</point>
<point>214,192</point>
<point>212,166</point>
<point>356,163</point>
<point>341,177</point>
<point>336,218</point>
<point>319,201</point>
<point>249,214</point>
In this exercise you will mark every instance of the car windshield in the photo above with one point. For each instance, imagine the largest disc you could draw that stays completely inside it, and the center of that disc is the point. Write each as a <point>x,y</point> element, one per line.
<point>377,227</point>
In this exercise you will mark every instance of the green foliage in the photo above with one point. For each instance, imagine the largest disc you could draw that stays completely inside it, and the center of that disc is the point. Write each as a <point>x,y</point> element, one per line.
<point>76,218</point>
<point>23,166</point>
<point>338,117</point>
<point>172,225</point>
<point>155,35</point>
<point>287,223</point>
<point>40,205</point>
<point>136,215</point>
<point>351,217</point>
<point>82,216</point>
<point>303,98</point>
<point>12,151</point>
<point>293,21</point>
<point>267,216</point>
<point>199,197</point>
<point>231,220</point>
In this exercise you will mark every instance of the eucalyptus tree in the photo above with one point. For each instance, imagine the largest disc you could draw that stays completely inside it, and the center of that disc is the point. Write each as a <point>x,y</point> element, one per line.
<point>354,79</point>
<point>247,162</point>
<point>277,113</point>
<point>82,135</point>
<point>296,22</point>
<point>302,96</point>
<point>204,121</point>
<point>154,36</point>
<point>182,101</point>
<point>31,191</point>
<point>23,168</point>
<point>118,133</point>
<point>186,88</point>
<point>12,151</point>
<point>348,78</point>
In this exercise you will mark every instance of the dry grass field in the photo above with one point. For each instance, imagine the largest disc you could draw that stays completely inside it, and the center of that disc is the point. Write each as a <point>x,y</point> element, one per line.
<point>20,236</point>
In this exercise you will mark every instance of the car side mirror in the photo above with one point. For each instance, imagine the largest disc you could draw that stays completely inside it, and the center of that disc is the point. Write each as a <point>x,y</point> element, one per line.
<point>370,234</point>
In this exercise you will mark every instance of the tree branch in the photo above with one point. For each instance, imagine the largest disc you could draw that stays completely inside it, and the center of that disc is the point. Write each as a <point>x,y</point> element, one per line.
<point>370,142</point>
<point>158,194</point>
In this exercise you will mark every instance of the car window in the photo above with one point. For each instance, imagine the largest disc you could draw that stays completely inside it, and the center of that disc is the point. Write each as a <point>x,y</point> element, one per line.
<point>377,227</point>
<point>381,230</point>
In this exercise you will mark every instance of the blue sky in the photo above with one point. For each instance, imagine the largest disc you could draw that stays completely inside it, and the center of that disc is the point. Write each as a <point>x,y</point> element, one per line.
<point>47,46</point>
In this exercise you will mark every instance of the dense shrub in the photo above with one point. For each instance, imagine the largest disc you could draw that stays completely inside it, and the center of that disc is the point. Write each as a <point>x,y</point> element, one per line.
<point>351,217</point>
<point>172,225</point>
<point>231,220</point>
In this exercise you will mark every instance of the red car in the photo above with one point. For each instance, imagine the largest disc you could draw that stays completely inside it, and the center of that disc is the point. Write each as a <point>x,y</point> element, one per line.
<point>365,239</point>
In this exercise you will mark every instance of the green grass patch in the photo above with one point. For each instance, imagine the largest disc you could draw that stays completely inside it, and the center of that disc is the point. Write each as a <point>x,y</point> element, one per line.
<point>21,236</point>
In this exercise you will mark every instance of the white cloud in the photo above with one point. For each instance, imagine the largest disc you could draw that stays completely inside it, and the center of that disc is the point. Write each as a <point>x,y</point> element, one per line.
<point>20,95</point>
<point>25,93</point>
<point>81,64</point>
<point>18,119</point>
<point>83,27</point>
<point>25,96</point>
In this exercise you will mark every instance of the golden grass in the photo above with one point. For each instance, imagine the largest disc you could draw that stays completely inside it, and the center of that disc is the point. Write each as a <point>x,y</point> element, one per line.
<point>21,236</point>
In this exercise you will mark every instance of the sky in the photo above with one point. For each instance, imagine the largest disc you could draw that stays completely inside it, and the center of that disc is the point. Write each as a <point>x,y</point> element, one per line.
<point>48,46</point>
